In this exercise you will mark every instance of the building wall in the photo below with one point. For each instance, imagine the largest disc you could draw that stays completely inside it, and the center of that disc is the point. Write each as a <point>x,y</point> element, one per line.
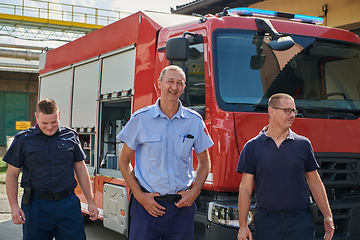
<point>337,13</point>
<point>16,90</point>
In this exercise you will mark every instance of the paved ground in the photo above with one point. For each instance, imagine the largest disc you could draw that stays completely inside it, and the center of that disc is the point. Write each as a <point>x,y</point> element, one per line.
<point>10,231</point>
<point>4,204</point>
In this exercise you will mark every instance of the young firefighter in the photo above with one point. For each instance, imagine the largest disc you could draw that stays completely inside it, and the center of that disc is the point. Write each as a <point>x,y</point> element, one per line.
<point>48,154</point>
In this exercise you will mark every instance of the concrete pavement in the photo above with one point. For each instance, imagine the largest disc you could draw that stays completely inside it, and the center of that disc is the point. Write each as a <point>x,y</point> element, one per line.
<point>8,230</point>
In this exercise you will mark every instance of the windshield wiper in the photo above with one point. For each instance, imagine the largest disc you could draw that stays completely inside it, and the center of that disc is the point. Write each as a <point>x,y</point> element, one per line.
<point>250,107</point>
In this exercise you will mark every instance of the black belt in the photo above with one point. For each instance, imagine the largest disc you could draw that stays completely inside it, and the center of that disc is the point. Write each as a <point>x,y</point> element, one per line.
<point>282,213</point>
<point>52,196</point>
<point>169,198</point>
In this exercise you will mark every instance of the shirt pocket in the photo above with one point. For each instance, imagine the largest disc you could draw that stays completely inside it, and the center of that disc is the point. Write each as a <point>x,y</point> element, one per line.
<point>65,150</point>
<point>184,146</point>
<point>152,145</point>
<point>34,153</point>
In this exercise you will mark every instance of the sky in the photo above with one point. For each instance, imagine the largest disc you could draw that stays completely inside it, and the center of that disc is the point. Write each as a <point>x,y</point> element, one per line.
<point>118,5</point>
<point>126,6</point>
<point>132,5</point>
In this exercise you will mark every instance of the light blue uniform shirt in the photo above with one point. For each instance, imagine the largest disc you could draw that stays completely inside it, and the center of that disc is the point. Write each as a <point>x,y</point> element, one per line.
<point>163,158</point>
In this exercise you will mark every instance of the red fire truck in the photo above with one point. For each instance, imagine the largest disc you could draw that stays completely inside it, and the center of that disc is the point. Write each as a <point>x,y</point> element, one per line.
<point>234,62</point>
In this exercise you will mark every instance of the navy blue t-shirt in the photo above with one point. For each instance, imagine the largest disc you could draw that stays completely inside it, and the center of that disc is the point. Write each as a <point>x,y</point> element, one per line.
<point>51,158</point>
<point>279,173</point>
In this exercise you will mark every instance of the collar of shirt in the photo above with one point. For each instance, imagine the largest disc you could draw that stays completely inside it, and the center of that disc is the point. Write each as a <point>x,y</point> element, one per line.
<point>264,137</point>
<point>37,130</point>
<point>181,113</point>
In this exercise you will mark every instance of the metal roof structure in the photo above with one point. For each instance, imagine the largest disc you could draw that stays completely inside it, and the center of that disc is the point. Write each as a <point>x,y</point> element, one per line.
<point>203,7</point>
<point>53,21</point>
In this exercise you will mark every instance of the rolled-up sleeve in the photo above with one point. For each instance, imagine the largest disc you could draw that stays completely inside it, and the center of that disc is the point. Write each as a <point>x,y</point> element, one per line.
<point>203,140</point>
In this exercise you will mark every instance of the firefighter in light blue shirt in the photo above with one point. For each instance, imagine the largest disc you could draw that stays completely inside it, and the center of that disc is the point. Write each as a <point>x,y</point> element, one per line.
<point>163,136</point>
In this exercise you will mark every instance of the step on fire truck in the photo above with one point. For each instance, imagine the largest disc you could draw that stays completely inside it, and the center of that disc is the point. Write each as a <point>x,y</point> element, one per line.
<point>234,62</point>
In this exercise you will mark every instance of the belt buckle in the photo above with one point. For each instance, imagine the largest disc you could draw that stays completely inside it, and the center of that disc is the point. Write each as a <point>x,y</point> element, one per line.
<point>168,198</point>
<point>173,198</point>
<point>57,196</point>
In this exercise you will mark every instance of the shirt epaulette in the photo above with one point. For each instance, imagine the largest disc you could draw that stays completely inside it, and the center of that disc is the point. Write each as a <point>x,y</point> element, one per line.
<point>193,112</point>
<point>141,110</point>
<point>24,131</point>
<point>67,128</point>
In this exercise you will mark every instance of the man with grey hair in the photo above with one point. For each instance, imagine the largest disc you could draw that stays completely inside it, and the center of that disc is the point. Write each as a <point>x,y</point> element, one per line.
<point>163,136</point>
<point>282,163</point>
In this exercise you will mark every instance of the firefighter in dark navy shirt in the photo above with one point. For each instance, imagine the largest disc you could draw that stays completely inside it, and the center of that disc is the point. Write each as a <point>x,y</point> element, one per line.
<point>48,155</point>
<point>282,163</point>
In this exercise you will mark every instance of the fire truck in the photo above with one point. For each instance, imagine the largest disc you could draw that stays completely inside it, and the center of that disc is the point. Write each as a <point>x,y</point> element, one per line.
<point>234,62</point>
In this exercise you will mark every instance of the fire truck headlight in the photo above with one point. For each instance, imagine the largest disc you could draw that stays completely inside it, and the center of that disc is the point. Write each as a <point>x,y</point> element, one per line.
<point>227,214</point>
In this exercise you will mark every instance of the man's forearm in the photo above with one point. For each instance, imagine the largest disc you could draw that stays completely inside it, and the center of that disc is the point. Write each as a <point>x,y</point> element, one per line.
<point>318,191</point>
<point>201,175</point>
<point>202,171</point>
<point>12,189</point>
<point>84,180</point>
<point>245,191</point>
<point>244,206</point>
<point>129,176</point>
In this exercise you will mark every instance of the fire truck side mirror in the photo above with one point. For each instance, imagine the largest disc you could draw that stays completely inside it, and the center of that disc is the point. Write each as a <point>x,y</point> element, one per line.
<point>177,49</point>
<point>278,43</point>
<point>282,44</point>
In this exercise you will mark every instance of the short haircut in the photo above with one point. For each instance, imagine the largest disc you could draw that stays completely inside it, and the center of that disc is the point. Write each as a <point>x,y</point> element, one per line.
<point>274,99</point>
<point>47,106</point>
<point>174,68</point>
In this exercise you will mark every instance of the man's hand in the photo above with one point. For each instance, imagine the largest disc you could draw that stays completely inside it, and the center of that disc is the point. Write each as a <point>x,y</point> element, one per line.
<point>93,211</point>
<point>151,206</point>
<point>329,228</point>
<point>244,233</point>
<point>188,197</point>
<point>17,215</point>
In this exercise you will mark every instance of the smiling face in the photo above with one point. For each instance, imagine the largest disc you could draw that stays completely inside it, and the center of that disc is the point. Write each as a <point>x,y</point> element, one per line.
<point>278,117</point>
<point>172,85</point>
<point>48,123</point>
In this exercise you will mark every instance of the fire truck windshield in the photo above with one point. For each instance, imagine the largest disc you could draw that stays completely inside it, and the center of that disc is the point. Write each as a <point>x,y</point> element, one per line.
<point>322,75</point>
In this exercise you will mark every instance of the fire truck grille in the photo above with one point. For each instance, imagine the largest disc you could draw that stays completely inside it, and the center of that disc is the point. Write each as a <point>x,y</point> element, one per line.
<point>339,170</point>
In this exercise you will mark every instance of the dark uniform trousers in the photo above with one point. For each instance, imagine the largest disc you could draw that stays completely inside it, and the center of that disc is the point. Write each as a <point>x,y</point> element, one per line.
<point>46,219</point>
<point>297,225</point>
<point>175,224</point>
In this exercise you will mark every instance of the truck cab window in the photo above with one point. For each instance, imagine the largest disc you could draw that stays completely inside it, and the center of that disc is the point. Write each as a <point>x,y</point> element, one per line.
<point>320,74</point>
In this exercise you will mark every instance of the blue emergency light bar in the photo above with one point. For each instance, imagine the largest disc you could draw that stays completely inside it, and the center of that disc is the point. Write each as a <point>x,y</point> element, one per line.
<point>267,13</point>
